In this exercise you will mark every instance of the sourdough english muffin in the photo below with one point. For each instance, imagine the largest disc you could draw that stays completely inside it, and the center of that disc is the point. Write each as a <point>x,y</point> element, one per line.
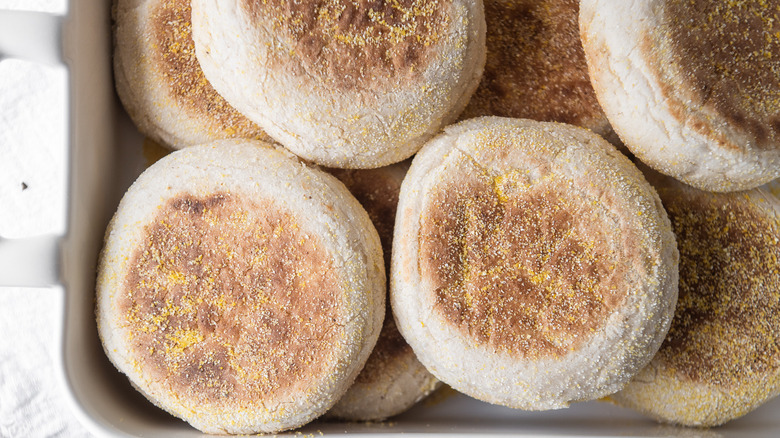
<point>720,359</point>
<point>535,66</point>
<point>344,84</point>
<point>393,379</point>
<point>160,81</point>
<point>239,289</point>
<point>533,265</point>
<point>692,87</point>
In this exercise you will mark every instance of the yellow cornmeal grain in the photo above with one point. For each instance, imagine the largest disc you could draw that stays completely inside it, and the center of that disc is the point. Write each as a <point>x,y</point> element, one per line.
<point>511,262</point>
<point>535,65</point>
<point>722,64</point>
<point>719,360</point>
<point>727,322</point>
<point>175,50</point>
<point>354,43</point>
<point>218,304</point>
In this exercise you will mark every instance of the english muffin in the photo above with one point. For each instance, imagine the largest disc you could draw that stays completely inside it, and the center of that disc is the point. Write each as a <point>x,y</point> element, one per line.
<point>535,66</point>
<point>533,265</point>
<point>720,359</point>
<point>344,84</point>
<point>159,80</point>
<point>239,289</point>
<point>692,87</point>
<point>393,379</point>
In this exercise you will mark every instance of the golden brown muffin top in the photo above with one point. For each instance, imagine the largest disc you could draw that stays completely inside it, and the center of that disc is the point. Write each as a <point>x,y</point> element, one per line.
<point>171,30</point>
<point>529,271</point>
<point>720,60</point>
<point>230,306</point>
<point>535,65</point>
<point>356,42</point>
<point>727,321</point>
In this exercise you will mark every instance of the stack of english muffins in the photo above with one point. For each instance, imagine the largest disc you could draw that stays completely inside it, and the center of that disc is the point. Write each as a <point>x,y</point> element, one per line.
<point>534,202</point>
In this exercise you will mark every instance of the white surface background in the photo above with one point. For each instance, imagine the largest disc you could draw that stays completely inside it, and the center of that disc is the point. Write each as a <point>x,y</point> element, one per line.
<point>32,132</point>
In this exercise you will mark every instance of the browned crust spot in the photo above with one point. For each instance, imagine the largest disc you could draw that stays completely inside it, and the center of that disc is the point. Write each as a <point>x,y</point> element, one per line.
<point>532,274</point>
<point>720,62</point>
<point>171,29</point>
<point>378,193</point>
<point>230,303</point>
<point>360,43</point>
<point>535,65</point>
<point>726,327</point>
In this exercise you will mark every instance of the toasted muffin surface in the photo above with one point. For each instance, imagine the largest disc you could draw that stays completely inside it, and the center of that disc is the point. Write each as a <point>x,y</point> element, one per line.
<point>690,87</point>
<point>526,272</point>
<point>535,66</point>
<point>160,81</point>
<point>233,293</point>
<point>171,27</point>
<point>533,266</point>
<point>344,84</point>
<point>215,298</point>
<point>719,359</point>
<point>726,62</point>
<point>727,316</point>
<point>361,44</point>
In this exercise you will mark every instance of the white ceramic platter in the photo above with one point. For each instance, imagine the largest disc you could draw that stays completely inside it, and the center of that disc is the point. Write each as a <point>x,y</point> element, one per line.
<point>104,157</point>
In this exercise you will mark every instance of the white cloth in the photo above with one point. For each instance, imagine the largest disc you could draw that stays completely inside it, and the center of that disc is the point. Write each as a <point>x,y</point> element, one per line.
<point>31,401</point>
<point>53,6</point>
<point>32,202</point>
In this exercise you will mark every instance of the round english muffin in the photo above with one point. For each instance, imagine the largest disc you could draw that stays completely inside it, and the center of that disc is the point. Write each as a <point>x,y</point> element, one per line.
<point>239,289</point>
<point>692,87</point>
<point>533,265</point>
<point>159,80</point>
<point>393,379</point>
<point>344,84</point>
<point>535,66</point>
<point>720,359</point>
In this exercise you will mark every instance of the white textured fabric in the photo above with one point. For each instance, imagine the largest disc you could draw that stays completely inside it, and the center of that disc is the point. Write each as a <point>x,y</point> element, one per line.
<point>53,6</point>
<point>32,149</point>
<point>31,399</point>
<point>32,202</point>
